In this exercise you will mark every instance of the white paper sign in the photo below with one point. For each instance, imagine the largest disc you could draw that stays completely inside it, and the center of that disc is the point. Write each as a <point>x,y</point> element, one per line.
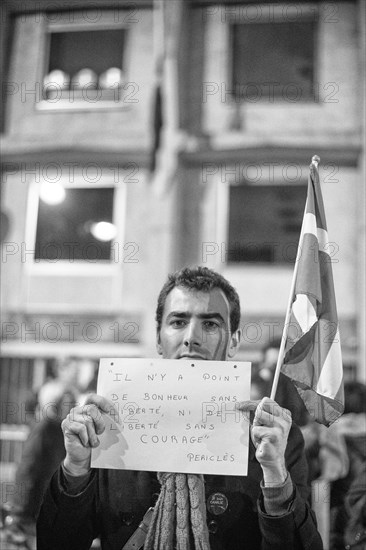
<point>174,416</point>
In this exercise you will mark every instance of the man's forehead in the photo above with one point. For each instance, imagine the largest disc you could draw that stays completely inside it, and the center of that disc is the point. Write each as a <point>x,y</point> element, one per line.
<point>184,299</point>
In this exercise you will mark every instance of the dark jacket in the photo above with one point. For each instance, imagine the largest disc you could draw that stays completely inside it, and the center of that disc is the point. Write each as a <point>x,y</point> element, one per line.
<point>114,502</point>
<point>43,451</point>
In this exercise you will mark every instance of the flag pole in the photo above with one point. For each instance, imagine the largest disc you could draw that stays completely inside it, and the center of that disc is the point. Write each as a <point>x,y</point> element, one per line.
<point>314,161</point>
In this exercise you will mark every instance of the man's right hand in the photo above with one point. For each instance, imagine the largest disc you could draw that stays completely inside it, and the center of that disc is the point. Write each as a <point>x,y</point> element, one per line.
<point>81,428</point>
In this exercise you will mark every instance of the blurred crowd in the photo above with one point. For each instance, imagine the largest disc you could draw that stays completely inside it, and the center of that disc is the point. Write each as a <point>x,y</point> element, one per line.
<point>336,455</point>
<point>68,384</point>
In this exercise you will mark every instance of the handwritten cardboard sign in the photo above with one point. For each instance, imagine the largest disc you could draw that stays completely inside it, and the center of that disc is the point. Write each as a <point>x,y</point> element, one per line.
<point>174,416</point>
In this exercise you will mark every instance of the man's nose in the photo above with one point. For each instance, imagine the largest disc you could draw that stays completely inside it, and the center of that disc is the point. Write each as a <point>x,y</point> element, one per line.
<point>193,335</point>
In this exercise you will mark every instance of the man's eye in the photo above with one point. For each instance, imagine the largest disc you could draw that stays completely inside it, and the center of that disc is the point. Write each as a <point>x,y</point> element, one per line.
<point>178,323</point>
<point>210,326</point>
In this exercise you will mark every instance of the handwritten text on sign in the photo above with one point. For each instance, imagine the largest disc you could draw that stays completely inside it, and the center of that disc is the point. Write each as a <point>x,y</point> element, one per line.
<point>174,416</point>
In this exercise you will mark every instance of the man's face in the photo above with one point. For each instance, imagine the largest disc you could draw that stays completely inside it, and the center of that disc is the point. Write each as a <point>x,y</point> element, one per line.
<point>196,325</point>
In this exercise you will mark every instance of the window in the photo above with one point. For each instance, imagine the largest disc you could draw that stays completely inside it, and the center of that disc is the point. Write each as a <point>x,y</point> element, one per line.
<point>74,239</point>
<point>265,222</point>
<point>84,67</point>
<point>74,224</point>
<point>273,60</point>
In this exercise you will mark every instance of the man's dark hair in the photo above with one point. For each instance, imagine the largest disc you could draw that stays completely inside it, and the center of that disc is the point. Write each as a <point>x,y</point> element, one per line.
<point>204,279</point>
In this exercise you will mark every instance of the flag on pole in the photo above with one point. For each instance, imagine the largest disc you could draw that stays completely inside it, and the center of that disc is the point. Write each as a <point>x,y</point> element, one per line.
<point>313,359</point>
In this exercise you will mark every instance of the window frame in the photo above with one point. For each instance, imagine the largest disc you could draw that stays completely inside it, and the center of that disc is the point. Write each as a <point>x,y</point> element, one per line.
<point>276,183</point>
<point>222,215</point>
<point>83,268</point>
<point>274,15</point>
<point>106,22</point>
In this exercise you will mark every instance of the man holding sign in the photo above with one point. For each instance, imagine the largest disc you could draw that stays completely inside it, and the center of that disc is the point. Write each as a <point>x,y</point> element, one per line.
<point>198,317</point>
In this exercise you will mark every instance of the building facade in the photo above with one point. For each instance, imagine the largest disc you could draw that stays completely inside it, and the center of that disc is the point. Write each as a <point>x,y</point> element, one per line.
<point>186,128</point>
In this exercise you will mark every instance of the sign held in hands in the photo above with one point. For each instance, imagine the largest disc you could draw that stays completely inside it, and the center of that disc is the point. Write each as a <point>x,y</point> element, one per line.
<point>174,416</point>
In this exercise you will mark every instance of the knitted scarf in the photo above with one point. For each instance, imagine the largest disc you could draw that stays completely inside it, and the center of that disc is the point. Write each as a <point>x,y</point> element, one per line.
<point>179,514</point>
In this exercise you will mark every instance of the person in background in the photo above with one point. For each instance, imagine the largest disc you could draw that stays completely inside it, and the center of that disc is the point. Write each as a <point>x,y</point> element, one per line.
<point>337,455</point>
<point>77,373</point>
<point>43,452</point>
<point>355,510</point>
<point>343,460</point>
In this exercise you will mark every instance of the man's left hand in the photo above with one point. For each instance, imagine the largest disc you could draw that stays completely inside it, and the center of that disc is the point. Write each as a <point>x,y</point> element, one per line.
<point>269,432</point>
